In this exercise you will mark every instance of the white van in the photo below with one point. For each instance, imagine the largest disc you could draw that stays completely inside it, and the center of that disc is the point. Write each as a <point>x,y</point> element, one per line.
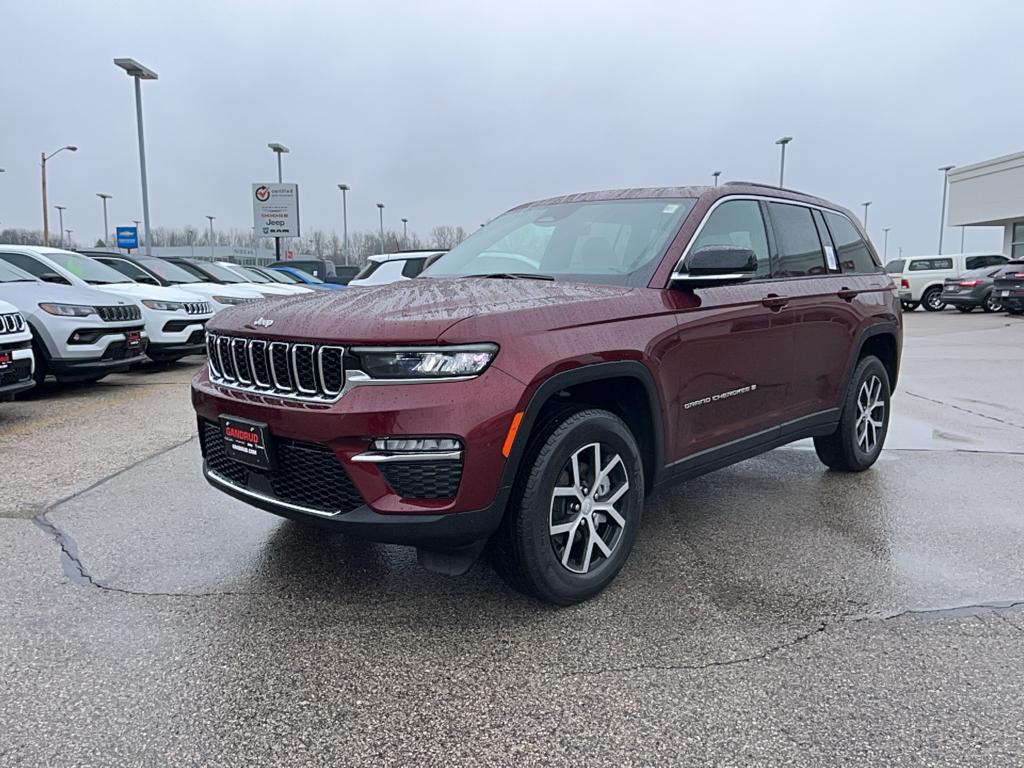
<point>920,278</point>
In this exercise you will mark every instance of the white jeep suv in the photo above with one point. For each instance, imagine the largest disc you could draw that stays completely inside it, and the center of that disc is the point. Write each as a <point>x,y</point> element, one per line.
<point>920,278</point>
<point>16,360</point>
<point>175,320</point>
<point>77,333</point>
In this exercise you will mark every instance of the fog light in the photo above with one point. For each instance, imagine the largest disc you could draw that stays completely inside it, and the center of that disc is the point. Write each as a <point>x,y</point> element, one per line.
<point>413,444</point>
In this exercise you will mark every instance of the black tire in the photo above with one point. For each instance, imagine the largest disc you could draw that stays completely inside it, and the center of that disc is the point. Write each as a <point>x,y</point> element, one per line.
<point>525,551</point>
<point>991,303</point>
<point>910,306</point>
<point>931,300</point>
<point>41,369</point>
<point>964,309</point>
<point>842,450</point>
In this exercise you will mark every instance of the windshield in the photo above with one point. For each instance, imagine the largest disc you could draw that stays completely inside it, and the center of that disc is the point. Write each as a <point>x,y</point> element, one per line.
<point>219,272</point>
<point>895,267</point>
<point>12,274</point>
<point>616,242</point>
<point>252,274</point>
<point>279,277</point>
<point>172,273</point>
<point>89,270</point>
<point>306,277</point>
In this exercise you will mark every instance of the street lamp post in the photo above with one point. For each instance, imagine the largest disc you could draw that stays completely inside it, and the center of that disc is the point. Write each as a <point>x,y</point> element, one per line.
<point>942,214</point>
<point>211,218</point>
<point>46,207</point>
<point>866,214</point>
<point>961,238</point>
<point>344,218</point>
<point>70,244</point>
<point>139,73</point>
<point>782,159</point>
<point>60,216</point>
<point>106,229</point>
<point>885,246</point>
<point>405,232</point>
<point>278,149</point>
<point>716,174</point>
<point>380,208</point>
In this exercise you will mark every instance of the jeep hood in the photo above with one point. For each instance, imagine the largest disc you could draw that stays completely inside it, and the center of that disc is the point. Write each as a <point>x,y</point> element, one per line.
<point>421,311</point>
<point>28,296</point>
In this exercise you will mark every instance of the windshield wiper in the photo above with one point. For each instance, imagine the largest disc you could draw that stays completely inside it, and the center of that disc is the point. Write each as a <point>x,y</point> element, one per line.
<point>514,276</point>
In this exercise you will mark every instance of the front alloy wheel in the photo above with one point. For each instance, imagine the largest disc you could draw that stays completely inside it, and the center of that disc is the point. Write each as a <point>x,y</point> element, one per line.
<point>575,508</point>
<point>863,420</point>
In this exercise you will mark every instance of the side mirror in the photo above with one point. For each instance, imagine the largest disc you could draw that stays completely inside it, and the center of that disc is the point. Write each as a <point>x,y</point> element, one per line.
<point>53,277</point>
<point>716,265</point>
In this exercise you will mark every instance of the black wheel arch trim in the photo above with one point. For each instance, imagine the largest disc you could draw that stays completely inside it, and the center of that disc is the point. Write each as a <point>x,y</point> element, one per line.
<point>554,384</point>
<point>886,328</point>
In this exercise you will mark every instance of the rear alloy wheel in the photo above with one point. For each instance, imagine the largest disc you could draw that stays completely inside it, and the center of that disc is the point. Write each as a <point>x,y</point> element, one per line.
<point>991,303</point>
<point>932,299</point>
<point>863,422</point>
<point>575,509</point>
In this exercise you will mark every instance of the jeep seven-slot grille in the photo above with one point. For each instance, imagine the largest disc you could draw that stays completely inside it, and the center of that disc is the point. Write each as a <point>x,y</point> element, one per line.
<point>198,308</point>
<point>12,322</point>
<point>119,313</point>
<point>306,474</point>
<point>314,372</point>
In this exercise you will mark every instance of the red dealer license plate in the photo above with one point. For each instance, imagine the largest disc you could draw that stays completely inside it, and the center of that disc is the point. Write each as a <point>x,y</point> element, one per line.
<point>134,339</point>
<point>247,441</point>
<point>5,359</point>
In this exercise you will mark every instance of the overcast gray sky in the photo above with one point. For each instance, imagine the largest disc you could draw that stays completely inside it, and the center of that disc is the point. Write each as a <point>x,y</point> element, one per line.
<point>451,112</point>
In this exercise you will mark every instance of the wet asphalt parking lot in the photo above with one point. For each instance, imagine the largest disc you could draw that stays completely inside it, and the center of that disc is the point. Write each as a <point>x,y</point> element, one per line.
<point>772,613</point>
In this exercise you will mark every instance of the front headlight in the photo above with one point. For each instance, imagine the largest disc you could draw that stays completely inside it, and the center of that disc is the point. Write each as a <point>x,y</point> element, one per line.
<point>426,362</point>
<point>163,306</point>
<point>68,310</point>
<point>232,300</point>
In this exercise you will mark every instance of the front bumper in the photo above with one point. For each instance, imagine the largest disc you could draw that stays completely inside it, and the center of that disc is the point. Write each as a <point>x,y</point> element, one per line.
<point>16,376</point>
<point>478,412</point>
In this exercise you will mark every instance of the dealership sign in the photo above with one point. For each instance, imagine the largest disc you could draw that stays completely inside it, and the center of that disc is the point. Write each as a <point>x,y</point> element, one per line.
<point>275,209</point>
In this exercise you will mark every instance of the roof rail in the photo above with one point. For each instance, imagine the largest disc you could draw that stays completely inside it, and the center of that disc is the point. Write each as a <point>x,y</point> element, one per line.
<point>765,186</point>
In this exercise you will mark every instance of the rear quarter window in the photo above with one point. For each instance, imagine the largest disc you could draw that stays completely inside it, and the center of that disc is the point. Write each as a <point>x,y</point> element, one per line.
<point>413,267</point>
<point>854,254</point>
<point>895,267</point>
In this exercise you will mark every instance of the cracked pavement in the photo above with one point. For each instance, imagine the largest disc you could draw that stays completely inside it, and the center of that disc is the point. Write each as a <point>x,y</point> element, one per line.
<point>771,613</point>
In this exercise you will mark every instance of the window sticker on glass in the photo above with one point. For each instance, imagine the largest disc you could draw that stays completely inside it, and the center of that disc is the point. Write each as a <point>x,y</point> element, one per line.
<point>671,208</point>
<point>830,257</point>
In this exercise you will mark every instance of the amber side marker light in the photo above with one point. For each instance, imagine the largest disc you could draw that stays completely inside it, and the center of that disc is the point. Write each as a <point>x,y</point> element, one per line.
<point>510,438</point>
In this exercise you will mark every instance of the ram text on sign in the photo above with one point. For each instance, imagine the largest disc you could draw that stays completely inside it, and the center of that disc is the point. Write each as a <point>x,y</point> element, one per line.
<point>275,209</point>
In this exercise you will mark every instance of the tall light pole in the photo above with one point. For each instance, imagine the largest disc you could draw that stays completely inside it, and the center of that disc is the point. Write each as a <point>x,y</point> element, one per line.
<point>344,218</point>
<point>866,214</point>
<point>70,244</point>
<point>46,207</point>
<point>942,214</point>
<point>405,232</point>
<point>782,160</point>
<point>278,149</point>
<point>885,247</point>
<point>380,208</point>
<point>961,238</point>
<point>716,174</point>
<point>106,229</point>
<point>60,215</point>
<point>211,218</point>
<point>139,73</point>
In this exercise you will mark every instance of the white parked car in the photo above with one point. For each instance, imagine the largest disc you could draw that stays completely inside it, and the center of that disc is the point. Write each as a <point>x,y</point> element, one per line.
<point>382,268</point>
<point>919,279</point>
<point>77,333</point>
<point>261,281</point>
<point>17,362</point>
<point>174,319</point>
<point>157,271</point>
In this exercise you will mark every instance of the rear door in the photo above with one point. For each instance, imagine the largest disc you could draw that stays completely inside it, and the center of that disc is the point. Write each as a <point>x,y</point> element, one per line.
<point>823,300</point>
<point>733,362</point>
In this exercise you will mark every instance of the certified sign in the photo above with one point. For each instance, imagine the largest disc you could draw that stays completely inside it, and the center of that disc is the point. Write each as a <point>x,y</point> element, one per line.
<point>127,237</point>
<point>275,209</point>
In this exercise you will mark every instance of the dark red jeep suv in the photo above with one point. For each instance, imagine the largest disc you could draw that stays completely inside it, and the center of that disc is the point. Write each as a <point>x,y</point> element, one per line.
<point>540,379</point>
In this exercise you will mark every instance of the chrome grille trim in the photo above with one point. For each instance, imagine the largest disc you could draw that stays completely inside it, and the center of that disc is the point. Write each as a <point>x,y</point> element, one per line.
<point>119,313</point>
<point>285,383</point>
<point>198,308</point>
<point>12,322</point>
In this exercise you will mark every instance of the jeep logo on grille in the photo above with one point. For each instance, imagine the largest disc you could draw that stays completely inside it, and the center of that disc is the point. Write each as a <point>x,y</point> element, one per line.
<point>262,322</point>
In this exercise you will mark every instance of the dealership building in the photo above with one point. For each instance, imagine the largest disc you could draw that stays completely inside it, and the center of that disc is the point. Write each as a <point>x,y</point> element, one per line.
<point>991,194</point>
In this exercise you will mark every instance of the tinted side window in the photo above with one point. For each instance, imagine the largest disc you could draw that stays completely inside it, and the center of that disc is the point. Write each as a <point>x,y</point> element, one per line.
<point>854,254</point>
<point>977,262</point>
<point>800,251</point>
<point>413,267</point>
<point>923,265</point>
<point>895,267</point>
<point>30,265</point>
<point>738,223</point>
